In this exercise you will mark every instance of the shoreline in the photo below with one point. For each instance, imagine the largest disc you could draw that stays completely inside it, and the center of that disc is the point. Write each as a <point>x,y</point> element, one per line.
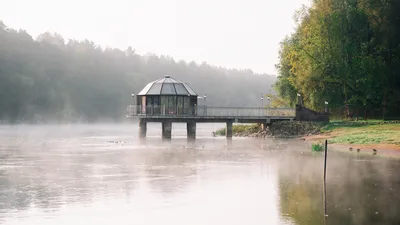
<point>343,136</point>
<point>383,149</point>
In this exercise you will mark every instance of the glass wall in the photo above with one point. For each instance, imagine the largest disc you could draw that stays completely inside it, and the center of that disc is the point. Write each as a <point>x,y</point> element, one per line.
<point>168,105</point>
<point>179,104</point>
<point>153,104</point>
<point>186,104</point>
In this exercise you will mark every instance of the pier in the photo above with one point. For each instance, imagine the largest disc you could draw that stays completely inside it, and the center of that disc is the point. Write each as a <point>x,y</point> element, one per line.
<point>203,114</point>
<point>168,101</point>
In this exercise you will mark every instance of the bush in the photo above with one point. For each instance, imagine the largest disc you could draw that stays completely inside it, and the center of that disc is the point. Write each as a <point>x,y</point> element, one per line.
<point>221,132</point>
<point>239,129</point>
<point>317,147</point>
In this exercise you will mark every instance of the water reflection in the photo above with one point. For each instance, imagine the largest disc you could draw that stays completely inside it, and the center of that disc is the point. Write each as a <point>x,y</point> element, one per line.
<point>360,190</point>
<point>92,174</point>
<point>170,171</point>
<point>49,174</point>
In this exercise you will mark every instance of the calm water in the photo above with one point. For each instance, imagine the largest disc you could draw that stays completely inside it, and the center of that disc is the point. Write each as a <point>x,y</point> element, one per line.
<point>103,174</point>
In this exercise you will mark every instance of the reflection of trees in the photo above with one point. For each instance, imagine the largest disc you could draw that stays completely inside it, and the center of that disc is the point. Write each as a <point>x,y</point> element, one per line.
<point>300,192</point>
<point>358,192</point>
<point>170,171</point>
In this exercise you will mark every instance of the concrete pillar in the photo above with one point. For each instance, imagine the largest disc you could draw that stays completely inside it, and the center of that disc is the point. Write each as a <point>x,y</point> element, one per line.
<point>166,129</point>
<point>264,126</point>
<point>326,108</point>
<point>191,130</point>
<point>229,129</point>
<point>299,100</point>
<point>142,128</point>
<point>299,110</point>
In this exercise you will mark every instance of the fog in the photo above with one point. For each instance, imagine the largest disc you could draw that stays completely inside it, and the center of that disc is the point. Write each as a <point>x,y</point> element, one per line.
<point>236,34</point>
<point>103,173</point>
<point>50,79</point>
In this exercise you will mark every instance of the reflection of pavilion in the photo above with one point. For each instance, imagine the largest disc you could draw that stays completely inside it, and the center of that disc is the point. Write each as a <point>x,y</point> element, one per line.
<point>169,172</point>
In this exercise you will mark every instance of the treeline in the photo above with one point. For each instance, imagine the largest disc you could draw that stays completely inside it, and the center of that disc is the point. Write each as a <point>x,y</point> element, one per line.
<point>52,79</point>
<point>345,52</point>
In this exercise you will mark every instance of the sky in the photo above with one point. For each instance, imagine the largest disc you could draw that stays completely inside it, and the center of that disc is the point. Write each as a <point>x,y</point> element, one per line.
<point>242,34</point>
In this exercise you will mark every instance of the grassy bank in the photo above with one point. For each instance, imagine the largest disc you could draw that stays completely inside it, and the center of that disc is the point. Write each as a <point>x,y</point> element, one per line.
<point>362,133</point>
<point>240,129</point>
<point>337,132</point>
<point>279,129</point>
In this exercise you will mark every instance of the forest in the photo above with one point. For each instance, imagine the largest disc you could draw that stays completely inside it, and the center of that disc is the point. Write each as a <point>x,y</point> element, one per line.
<point>49,79</point>
<point>344,53</point>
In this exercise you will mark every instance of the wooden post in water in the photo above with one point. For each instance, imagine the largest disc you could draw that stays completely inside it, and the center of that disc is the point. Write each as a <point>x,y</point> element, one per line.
<point>325,161</point>
<point>326,154</point>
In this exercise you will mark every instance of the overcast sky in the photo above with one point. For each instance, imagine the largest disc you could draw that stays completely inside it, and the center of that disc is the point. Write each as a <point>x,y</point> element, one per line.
<point>232,33</point>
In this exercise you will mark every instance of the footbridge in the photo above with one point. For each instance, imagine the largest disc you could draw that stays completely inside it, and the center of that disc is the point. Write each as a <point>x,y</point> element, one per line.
<point>205,114</point>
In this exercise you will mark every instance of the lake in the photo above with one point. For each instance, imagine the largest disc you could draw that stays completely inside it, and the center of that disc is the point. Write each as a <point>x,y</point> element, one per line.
<point>104,174</point>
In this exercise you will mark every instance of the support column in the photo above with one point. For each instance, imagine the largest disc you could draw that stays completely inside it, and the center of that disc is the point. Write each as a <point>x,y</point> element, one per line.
<point>229,129</point>
<point>166,129</point>
<point>191,130</point>
<point>299,100</point>
<point>264,126</point>
<point>142,128</point>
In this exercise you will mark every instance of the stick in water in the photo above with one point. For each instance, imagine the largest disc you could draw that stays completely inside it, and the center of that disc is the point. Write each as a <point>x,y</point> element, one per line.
<point>325,160</point>
<point>326,154</point>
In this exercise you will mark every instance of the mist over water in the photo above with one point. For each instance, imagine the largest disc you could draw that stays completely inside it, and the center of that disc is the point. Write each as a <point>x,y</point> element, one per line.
<point>104,174</point>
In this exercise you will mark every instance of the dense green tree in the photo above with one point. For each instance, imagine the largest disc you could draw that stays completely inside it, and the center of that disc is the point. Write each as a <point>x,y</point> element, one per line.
<point>344,52</point>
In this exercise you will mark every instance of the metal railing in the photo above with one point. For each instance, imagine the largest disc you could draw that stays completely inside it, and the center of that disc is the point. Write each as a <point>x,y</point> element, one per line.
<point>203,111</point>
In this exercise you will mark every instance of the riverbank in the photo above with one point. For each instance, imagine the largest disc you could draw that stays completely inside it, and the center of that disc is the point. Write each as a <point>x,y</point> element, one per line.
<point>279,129</point>
<point>344,135</point>
<point>362,137</point>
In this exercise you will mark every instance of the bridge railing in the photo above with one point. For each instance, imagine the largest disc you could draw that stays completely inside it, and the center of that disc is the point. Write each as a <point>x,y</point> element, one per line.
<point>244,112</point>
<point>202,111</point>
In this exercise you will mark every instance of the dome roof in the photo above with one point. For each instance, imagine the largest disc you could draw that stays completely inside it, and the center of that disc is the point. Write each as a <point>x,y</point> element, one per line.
<point>167,86</point>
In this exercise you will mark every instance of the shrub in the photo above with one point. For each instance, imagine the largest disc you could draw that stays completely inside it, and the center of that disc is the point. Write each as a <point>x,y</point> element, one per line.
<point>317,147</point>
<point>237,129</point>
<point>220,132</point>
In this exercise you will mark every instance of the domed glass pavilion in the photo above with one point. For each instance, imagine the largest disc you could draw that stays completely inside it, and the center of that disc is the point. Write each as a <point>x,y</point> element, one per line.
<point>167,96</point>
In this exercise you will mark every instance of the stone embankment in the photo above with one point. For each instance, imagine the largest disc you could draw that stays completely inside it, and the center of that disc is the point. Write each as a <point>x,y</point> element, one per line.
<point>284,130</point>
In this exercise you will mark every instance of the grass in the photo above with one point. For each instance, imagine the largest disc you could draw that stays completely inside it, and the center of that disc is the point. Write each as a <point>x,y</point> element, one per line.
<point>346,132</point>
<point>358,139</point>
<point>317,147</point>
<point>361,133</point>
<point>221,132</point>
<point>239,129</point>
